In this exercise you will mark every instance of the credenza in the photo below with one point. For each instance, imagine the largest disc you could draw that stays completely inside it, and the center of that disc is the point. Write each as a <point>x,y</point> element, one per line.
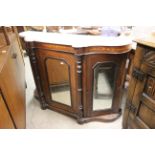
<point>79,75</point>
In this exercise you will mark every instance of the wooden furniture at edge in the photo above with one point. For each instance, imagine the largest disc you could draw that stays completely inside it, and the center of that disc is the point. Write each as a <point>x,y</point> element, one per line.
<point>140,105</point>
<point>130,64</point>
<point>12,82</point>
<point>81,62</point>
<point>19,29</point>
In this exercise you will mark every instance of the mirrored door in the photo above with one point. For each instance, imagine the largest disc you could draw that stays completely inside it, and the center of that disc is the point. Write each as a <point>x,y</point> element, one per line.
<point>103,86</point>
<point>59,80</point>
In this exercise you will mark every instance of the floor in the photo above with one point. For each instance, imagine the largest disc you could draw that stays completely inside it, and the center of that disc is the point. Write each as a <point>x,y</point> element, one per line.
<point>47,119</point>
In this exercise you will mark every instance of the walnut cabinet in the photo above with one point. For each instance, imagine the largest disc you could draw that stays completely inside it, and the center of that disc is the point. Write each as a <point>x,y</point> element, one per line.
<point>84,82</point>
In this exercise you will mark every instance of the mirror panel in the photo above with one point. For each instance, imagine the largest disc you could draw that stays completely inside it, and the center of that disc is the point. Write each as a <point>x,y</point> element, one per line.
<point>103,87</point>
<point>59,82</point>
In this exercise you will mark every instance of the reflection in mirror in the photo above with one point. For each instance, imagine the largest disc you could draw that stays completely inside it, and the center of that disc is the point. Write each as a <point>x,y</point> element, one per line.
<point>59,83</point>
<point>103,89</point>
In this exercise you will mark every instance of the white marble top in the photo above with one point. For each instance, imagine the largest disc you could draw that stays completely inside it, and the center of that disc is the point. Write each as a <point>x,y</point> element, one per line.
<point>75,40</point>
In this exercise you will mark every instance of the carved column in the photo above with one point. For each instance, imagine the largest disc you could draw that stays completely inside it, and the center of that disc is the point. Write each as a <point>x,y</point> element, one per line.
<point>33,60</point>
<point>79,86</point>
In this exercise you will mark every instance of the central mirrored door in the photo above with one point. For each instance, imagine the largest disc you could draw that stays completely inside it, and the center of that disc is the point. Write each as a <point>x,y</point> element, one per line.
<point>59,81</point>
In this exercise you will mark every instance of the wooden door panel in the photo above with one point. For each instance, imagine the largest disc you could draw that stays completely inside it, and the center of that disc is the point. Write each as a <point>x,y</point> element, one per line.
<point>144,99</point>
<point>62,77</point>
<point>13,87</point>
<point>146,115</point>
<point>138,58</point>
<point>5,119</point>
<point>88,78</point>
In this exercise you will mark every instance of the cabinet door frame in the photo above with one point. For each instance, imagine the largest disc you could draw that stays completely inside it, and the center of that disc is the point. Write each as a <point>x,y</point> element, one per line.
<point>89,62</point>
<point>70,60</point>
<point>138,59</point>
<point>141,98</point>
